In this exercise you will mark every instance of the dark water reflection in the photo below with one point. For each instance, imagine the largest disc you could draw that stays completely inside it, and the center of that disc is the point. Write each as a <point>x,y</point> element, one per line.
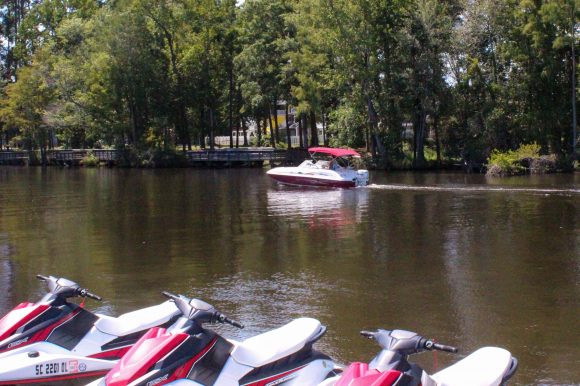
<point>467,260</point>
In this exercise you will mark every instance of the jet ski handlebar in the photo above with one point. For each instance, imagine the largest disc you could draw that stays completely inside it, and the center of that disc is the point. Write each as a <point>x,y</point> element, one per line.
<point>199,310</point>
<point>170,295</point>
<point>440,347</point>
<point>224,319</point>
<point>85,293</point>
<point>405,342</point>
<point>65,288</point>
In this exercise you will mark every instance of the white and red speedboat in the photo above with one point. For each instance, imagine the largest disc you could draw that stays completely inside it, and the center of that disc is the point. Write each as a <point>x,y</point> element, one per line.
<point>328,167</point>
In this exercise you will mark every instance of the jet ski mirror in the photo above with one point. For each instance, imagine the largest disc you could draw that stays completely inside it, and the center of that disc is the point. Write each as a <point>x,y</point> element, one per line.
<point>64,288</point>
<point>182,303</point>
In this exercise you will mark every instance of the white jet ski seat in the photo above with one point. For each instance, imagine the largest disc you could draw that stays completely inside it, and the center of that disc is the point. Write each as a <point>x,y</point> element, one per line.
<point>484,367</point>
<point>137,320</point>
<point>276,344</point>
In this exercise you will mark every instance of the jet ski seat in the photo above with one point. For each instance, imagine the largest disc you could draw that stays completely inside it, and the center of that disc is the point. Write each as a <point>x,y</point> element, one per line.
<point>483,367</point>
<point>279,343</point>
<point>137,320</point>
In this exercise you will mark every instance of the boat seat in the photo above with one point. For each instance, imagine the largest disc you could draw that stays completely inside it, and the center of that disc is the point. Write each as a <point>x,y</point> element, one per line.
<point>484,367</point>
<point>276,344</point>
<point>137,320</point>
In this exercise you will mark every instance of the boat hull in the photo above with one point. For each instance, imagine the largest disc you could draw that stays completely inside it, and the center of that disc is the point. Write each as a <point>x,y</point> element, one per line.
<point>311,181</point>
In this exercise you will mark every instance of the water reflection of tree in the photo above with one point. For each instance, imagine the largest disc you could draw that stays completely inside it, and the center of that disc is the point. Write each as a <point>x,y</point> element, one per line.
<point>6,275</point>
<point>509,268</point>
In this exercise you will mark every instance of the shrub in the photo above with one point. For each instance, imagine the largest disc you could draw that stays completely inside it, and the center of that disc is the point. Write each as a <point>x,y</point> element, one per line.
<point>519,161</point>
<point>127,156</point>
<point>502,164</point>
<point>90,160</point>
<point>531,150</point>
<point>162,158</point>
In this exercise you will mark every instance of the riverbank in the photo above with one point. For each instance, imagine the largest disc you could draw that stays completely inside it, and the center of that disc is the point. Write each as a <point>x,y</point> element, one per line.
<point>259,156</point>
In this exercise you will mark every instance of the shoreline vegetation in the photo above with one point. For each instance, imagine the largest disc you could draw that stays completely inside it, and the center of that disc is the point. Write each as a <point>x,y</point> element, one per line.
<point>415,84</point>
<point>522,161</point>
<point>525,160</point>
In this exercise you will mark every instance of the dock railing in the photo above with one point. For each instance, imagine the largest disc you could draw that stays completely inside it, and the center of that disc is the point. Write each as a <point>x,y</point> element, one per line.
<point>239,156</point>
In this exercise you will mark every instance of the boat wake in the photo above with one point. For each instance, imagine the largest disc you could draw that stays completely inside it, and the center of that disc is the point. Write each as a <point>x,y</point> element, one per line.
<point>483,189</point>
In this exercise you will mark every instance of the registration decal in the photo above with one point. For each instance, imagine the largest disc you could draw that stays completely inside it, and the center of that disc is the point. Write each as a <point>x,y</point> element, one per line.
<point>54,368</point>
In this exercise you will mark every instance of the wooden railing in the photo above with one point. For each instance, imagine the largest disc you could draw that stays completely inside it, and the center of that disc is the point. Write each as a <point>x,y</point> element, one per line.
<point>10,157</point>
<point>221,156</point>
<point>236,155</point>
<point>76,155</point>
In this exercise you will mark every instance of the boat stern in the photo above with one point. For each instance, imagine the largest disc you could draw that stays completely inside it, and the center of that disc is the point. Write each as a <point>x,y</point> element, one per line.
<point>362,177</point>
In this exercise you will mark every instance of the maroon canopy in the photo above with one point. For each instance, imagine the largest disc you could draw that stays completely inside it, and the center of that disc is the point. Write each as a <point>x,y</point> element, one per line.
<point>334,152</point>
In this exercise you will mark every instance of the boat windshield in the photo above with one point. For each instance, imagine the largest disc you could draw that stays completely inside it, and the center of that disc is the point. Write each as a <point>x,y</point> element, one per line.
<point>326,161</point>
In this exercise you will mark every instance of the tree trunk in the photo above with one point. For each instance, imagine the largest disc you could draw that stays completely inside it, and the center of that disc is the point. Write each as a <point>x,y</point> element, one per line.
<point>276,126</point>
<point>182,129</point>
<point>420,139</point>
<point>239,118</point>
<point>237,138</point>
<point>372,118</point>
<point>305,126</point>
<point>324,139</point>
<point>288,136</point>
<point>415,124</point>
<point>265,125</point>
<point>244,129</point>
<point>231,105</point>
<point>202,128</point>
<point>42,143</point>
<point>272,134</point>
<point>313,129</point>
<point>165,138</point>
<point>437,141</point>
<point>211,130</point>
<point>300,133</point>
<point>259,133</point>
<point>574,119</point>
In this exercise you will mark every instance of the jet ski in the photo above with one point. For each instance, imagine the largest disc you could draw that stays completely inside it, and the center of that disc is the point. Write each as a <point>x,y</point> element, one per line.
<point>55,339</point>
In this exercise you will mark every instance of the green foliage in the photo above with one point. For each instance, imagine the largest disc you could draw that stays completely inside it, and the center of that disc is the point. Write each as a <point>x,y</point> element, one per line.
<point>26,102</point>
<point>90,160</point>
<point>503,163</point>
<point>512,162</point>
<point>531,150</point>
<point>148,76</point>
<point>346,126</point>
<point>162,158</point>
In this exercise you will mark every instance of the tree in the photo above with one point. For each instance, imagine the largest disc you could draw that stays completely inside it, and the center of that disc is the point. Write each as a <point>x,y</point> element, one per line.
<point>429,31</point>
<point>26,102</point>
<point>262,58</point>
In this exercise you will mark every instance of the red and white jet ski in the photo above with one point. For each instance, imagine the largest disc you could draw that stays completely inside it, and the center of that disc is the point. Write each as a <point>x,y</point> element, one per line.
<point>328,167</point>
<point>488,366</point>
<point>187,354</point>
<point>54,339</point>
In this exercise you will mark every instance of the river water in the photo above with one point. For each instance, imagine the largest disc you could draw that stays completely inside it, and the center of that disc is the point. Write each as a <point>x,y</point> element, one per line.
<point>467,260</point>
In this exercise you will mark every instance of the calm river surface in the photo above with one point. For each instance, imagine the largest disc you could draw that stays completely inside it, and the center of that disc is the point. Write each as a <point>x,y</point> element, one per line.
<point>464,259</point>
